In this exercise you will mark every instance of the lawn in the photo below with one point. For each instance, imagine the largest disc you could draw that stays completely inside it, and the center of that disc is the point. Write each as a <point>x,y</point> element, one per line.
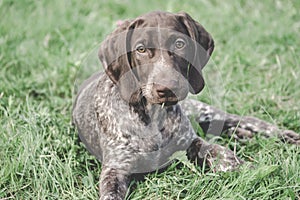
<point>48,47</point>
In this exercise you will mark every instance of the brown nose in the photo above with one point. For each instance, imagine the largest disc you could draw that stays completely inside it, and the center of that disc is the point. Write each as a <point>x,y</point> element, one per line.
<point>164,91</point>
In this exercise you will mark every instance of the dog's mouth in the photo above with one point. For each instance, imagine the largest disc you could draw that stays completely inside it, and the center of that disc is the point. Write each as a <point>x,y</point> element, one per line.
<point>163,95</point>
<point>164,101</point>
<point>168,103</point>
<point>164,98</point>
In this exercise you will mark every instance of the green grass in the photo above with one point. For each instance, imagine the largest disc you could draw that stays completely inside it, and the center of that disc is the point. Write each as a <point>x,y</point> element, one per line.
<point>43,44</point>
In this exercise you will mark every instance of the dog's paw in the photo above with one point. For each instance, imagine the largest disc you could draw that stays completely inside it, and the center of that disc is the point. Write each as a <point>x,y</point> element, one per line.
<point>215,157</point>
<point>290,137</point>
<point>219,158</point>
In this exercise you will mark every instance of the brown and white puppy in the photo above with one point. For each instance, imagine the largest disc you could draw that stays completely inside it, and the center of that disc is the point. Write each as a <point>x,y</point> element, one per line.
<point>129,116</point>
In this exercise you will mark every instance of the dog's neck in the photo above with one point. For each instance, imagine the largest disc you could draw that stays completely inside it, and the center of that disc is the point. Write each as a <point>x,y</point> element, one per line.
<point>139,106</point>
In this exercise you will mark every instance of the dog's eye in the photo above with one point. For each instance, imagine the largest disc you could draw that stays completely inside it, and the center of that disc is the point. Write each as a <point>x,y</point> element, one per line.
<point>179,43</point>
<point>141,48</point>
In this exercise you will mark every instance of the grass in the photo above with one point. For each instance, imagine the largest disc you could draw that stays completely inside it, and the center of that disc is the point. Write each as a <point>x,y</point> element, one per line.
<point>43,44</point>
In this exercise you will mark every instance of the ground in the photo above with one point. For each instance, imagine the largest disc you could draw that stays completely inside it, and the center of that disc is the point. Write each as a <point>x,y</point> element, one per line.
<point>44,46</point>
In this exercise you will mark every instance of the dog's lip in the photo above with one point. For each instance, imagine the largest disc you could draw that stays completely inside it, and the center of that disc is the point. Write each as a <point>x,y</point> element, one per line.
<point>164,101</point>
<point>168,101</point>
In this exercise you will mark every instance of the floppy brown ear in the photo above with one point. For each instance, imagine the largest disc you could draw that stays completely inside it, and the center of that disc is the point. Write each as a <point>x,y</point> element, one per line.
<point>113,54</point>
<point>204,46</point>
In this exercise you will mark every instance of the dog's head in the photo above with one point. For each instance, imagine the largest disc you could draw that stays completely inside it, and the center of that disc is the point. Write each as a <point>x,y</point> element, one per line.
<point>158,56</point>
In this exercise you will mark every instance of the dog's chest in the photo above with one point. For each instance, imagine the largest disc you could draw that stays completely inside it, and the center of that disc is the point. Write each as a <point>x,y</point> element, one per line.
<point>124,135</point>
<point>123,126</point>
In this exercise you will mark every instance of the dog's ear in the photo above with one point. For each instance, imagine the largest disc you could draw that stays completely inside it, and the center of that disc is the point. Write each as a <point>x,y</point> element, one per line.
<point>204,46</point>
<point>114,54</point>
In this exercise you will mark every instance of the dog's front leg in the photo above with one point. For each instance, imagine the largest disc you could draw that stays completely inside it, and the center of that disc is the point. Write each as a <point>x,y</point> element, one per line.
<point>113,183</point>
<point>216,157</point>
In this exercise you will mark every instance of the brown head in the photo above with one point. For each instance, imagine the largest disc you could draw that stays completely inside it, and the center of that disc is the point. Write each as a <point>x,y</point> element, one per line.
<point>158,56</point>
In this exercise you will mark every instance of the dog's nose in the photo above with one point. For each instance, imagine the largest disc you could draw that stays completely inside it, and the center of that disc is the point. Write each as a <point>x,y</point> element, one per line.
<point>165,91</point>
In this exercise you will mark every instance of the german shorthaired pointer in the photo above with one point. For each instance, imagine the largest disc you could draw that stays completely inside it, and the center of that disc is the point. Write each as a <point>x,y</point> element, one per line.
<point>129,117</point>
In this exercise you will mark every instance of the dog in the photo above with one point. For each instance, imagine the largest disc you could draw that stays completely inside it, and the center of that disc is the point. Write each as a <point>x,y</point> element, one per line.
<point>133,117</point>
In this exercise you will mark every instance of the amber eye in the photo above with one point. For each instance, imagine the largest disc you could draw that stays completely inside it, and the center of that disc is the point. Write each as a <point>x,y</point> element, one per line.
<point>141,48</point>
<point>179,43</point>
